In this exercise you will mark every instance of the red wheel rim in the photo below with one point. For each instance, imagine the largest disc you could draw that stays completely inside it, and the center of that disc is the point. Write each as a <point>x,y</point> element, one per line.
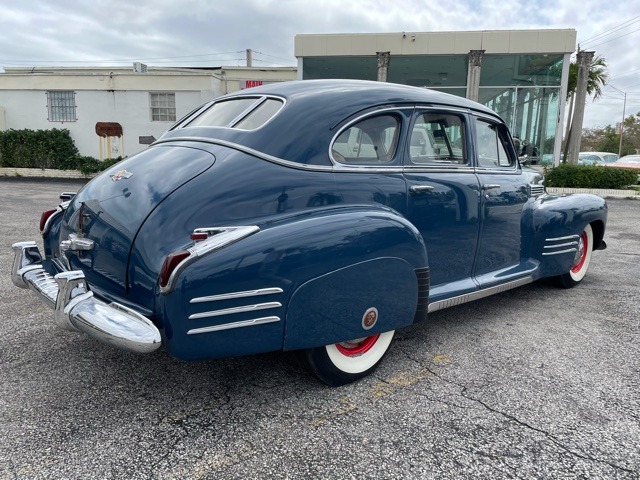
<point>354,349</point>
<point>584,244</point>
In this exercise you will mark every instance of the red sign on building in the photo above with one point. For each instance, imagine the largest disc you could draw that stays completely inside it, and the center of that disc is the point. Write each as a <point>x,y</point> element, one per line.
<point>252,83</point>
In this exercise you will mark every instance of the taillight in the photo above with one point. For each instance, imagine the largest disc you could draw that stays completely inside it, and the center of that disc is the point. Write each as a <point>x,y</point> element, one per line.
<point>44,217</point>
<point>199,236</point>
<point>170,263</point>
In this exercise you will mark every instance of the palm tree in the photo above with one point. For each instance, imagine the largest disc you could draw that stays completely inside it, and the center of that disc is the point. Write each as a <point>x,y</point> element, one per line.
<point>598,78</point>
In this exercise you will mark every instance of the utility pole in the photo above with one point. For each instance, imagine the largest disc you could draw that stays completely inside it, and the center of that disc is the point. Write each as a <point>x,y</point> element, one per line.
<point>575,136</point>
<point>624,107</point>
<point>249,57</point>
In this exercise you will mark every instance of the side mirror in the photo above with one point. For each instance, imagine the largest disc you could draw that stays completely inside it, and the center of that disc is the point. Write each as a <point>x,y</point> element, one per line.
<point>524,159</point>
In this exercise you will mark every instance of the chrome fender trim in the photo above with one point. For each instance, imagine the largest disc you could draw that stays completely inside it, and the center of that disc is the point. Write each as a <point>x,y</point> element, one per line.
<point>76,308</point>
<point>486,292</point>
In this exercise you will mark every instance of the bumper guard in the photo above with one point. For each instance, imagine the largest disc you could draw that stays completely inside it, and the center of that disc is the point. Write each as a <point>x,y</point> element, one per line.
<point>75,307</point>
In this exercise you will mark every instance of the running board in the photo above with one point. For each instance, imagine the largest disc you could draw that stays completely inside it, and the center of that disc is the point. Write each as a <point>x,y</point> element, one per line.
<point>486,292</point>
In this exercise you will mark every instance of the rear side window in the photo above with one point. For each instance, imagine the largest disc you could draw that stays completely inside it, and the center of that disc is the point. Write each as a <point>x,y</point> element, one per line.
<point>492,146</point>
<point>246,113</point>
<point>437,139</point>
<point>371,141</point>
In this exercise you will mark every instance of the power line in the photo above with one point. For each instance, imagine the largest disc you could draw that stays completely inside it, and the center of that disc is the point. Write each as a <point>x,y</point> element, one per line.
<point>273,56</point>
<point>615,38</point>
<point>610,31</point>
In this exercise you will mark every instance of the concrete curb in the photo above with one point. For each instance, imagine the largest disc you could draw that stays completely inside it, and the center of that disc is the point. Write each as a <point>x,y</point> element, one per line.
<point>43,173</point>
<point>604,193</point>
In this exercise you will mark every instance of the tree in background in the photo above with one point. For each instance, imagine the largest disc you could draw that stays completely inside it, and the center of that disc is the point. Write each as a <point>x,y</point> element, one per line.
<point>607,139</point>
<point>597,78</point>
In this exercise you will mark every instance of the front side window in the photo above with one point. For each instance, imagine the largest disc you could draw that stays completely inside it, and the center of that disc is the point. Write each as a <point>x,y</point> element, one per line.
<point>368,142</point>
<point>61,106</point>
<point>437,139</point>
<point>163,107</point>
<point>492,146</point>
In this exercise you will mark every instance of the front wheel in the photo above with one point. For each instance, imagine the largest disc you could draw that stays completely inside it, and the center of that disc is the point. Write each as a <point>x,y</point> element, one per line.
<point>341,363</point>
<point>581,260</point>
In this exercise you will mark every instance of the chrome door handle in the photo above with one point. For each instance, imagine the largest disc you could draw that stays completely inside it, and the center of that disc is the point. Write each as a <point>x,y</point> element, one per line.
<point>490,186</point>
<point>421,188</point>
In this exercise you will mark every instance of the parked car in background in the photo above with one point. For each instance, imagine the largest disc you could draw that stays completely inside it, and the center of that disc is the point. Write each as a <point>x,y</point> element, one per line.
<point>317,216</point>
<point>596,158</point>
<point>628,161</point>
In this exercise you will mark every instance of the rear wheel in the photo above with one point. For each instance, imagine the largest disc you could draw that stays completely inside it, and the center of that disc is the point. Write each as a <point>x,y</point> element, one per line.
<point>341,363</point>
<point>581,260</point>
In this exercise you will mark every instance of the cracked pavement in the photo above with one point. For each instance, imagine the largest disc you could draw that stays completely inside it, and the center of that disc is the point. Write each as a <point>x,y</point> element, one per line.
<point>534,383</point>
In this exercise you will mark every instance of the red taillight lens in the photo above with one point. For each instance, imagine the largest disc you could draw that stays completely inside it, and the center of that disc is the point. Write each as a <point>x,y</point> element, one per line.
<point>170,263</point>
<point>199,236</point>
<point>44,217</point>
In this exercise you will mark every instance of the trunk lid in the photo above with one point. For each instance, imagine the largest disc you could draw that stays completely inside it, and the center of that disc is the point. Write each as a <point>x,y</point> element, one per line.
<point>111,208</point>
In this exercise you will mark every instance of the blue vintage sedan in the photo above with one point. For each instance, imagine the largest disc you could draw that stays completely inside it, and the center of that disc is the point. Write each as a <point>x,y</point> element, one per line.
<point>318,216</point>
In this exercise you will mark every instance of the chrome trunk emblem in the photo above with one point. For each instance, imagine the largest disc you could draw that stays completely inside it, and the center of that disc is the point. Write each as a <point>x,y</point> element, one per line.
<point>120,174</point>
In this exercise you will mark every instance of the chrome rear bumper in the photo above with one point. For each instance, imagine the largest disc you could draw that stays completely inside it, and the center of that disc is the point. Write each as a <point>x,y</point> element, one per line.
<point>75,307</point>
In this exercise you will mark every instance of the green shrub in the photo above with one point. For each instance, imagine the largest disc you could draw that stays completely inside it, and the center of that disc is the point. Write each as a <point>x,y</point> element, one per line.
<point>589,176</point>
<point>37,149</point>
<point>89,165</point>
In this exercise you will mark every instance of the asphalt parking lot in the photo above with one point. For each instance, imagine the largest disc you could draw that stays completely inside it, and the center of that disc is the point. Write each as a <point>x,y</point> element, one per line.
<point>534,383</point>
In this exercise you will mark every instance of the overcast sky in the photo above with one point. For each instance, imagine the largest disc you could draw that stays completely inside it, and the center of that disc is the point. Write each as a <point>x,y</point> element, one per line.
<point>216,33</point>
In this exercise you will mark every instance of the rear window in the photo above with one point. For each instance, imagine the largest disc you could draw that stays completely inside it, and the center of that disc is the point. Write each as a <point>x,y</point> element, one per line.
<point>246,113</point>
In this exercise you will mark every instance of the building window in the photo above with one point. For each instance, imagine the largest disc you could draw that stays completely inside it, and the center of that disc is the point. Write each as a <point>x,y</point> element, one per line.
<point>61,106</point>
<point>163,107</point>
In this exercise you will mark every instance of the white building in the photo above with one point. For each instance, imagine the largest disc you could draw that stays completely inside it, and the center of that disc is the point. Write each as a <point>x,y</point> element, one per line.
<point>131,106</point>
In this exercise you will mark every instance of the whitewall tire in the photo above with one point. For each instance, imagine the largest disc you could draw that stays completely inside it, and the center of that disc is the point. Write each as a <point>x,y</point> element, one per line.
<point>345,362</point>
<point>581,260</point>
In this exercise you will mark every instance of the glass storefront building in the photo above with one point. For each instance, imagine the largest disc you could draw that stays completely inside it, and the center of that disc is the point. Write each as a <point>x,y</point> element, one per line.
<point>523,74</point>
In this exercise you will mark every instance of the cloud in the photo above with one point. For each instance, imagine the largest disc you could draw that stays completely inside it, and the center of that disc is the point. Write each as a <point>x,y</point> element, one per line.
<point>200,32</point>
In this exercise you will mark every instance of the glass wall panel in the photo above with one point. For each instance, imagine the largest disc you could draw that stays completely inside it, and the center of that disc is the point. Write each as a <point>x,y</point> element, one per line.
<point>431,71</point>
<point>359,68</point>
<point>508,70</point>
<point>458,91</point>
<point>530,113</point>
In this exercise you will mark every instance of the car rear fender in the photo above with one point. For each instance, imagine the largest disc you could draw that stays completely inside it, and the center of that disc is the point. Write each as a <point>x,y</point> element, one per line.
<point>299,282</point>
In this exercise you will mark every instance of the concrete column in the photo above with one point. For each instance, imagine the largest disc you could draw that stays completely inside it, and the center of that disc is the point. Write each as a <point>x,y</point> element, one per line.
<point>383,65</point>
<point>473,76</point>
<point>575,136</point>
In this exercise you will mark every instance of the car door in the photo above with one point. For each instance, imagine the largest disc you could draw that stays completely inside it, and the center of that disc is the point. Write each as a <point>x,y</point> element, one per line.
<point>442,200</point>
<point>504,193</point>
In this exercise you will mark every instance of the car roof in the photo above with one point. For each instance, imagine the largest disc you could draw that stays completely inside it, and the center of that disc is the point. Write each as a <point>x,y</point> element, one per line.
<point>350,92</point>
<point>313,113</point>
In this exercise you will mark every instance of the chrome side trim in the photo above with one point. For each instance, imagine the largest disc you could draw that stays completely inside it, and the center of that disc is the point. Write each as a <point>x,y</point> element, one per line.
<point>568,241</point>
<point>568,244</point>
<point>250,151</point>
<point>535,190</point>
<point>231,296</point>
<point>469,297</point>
<point>228,326</point>
<point>233,310</point>
<point>569,250</point>
<point>570,237</point>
